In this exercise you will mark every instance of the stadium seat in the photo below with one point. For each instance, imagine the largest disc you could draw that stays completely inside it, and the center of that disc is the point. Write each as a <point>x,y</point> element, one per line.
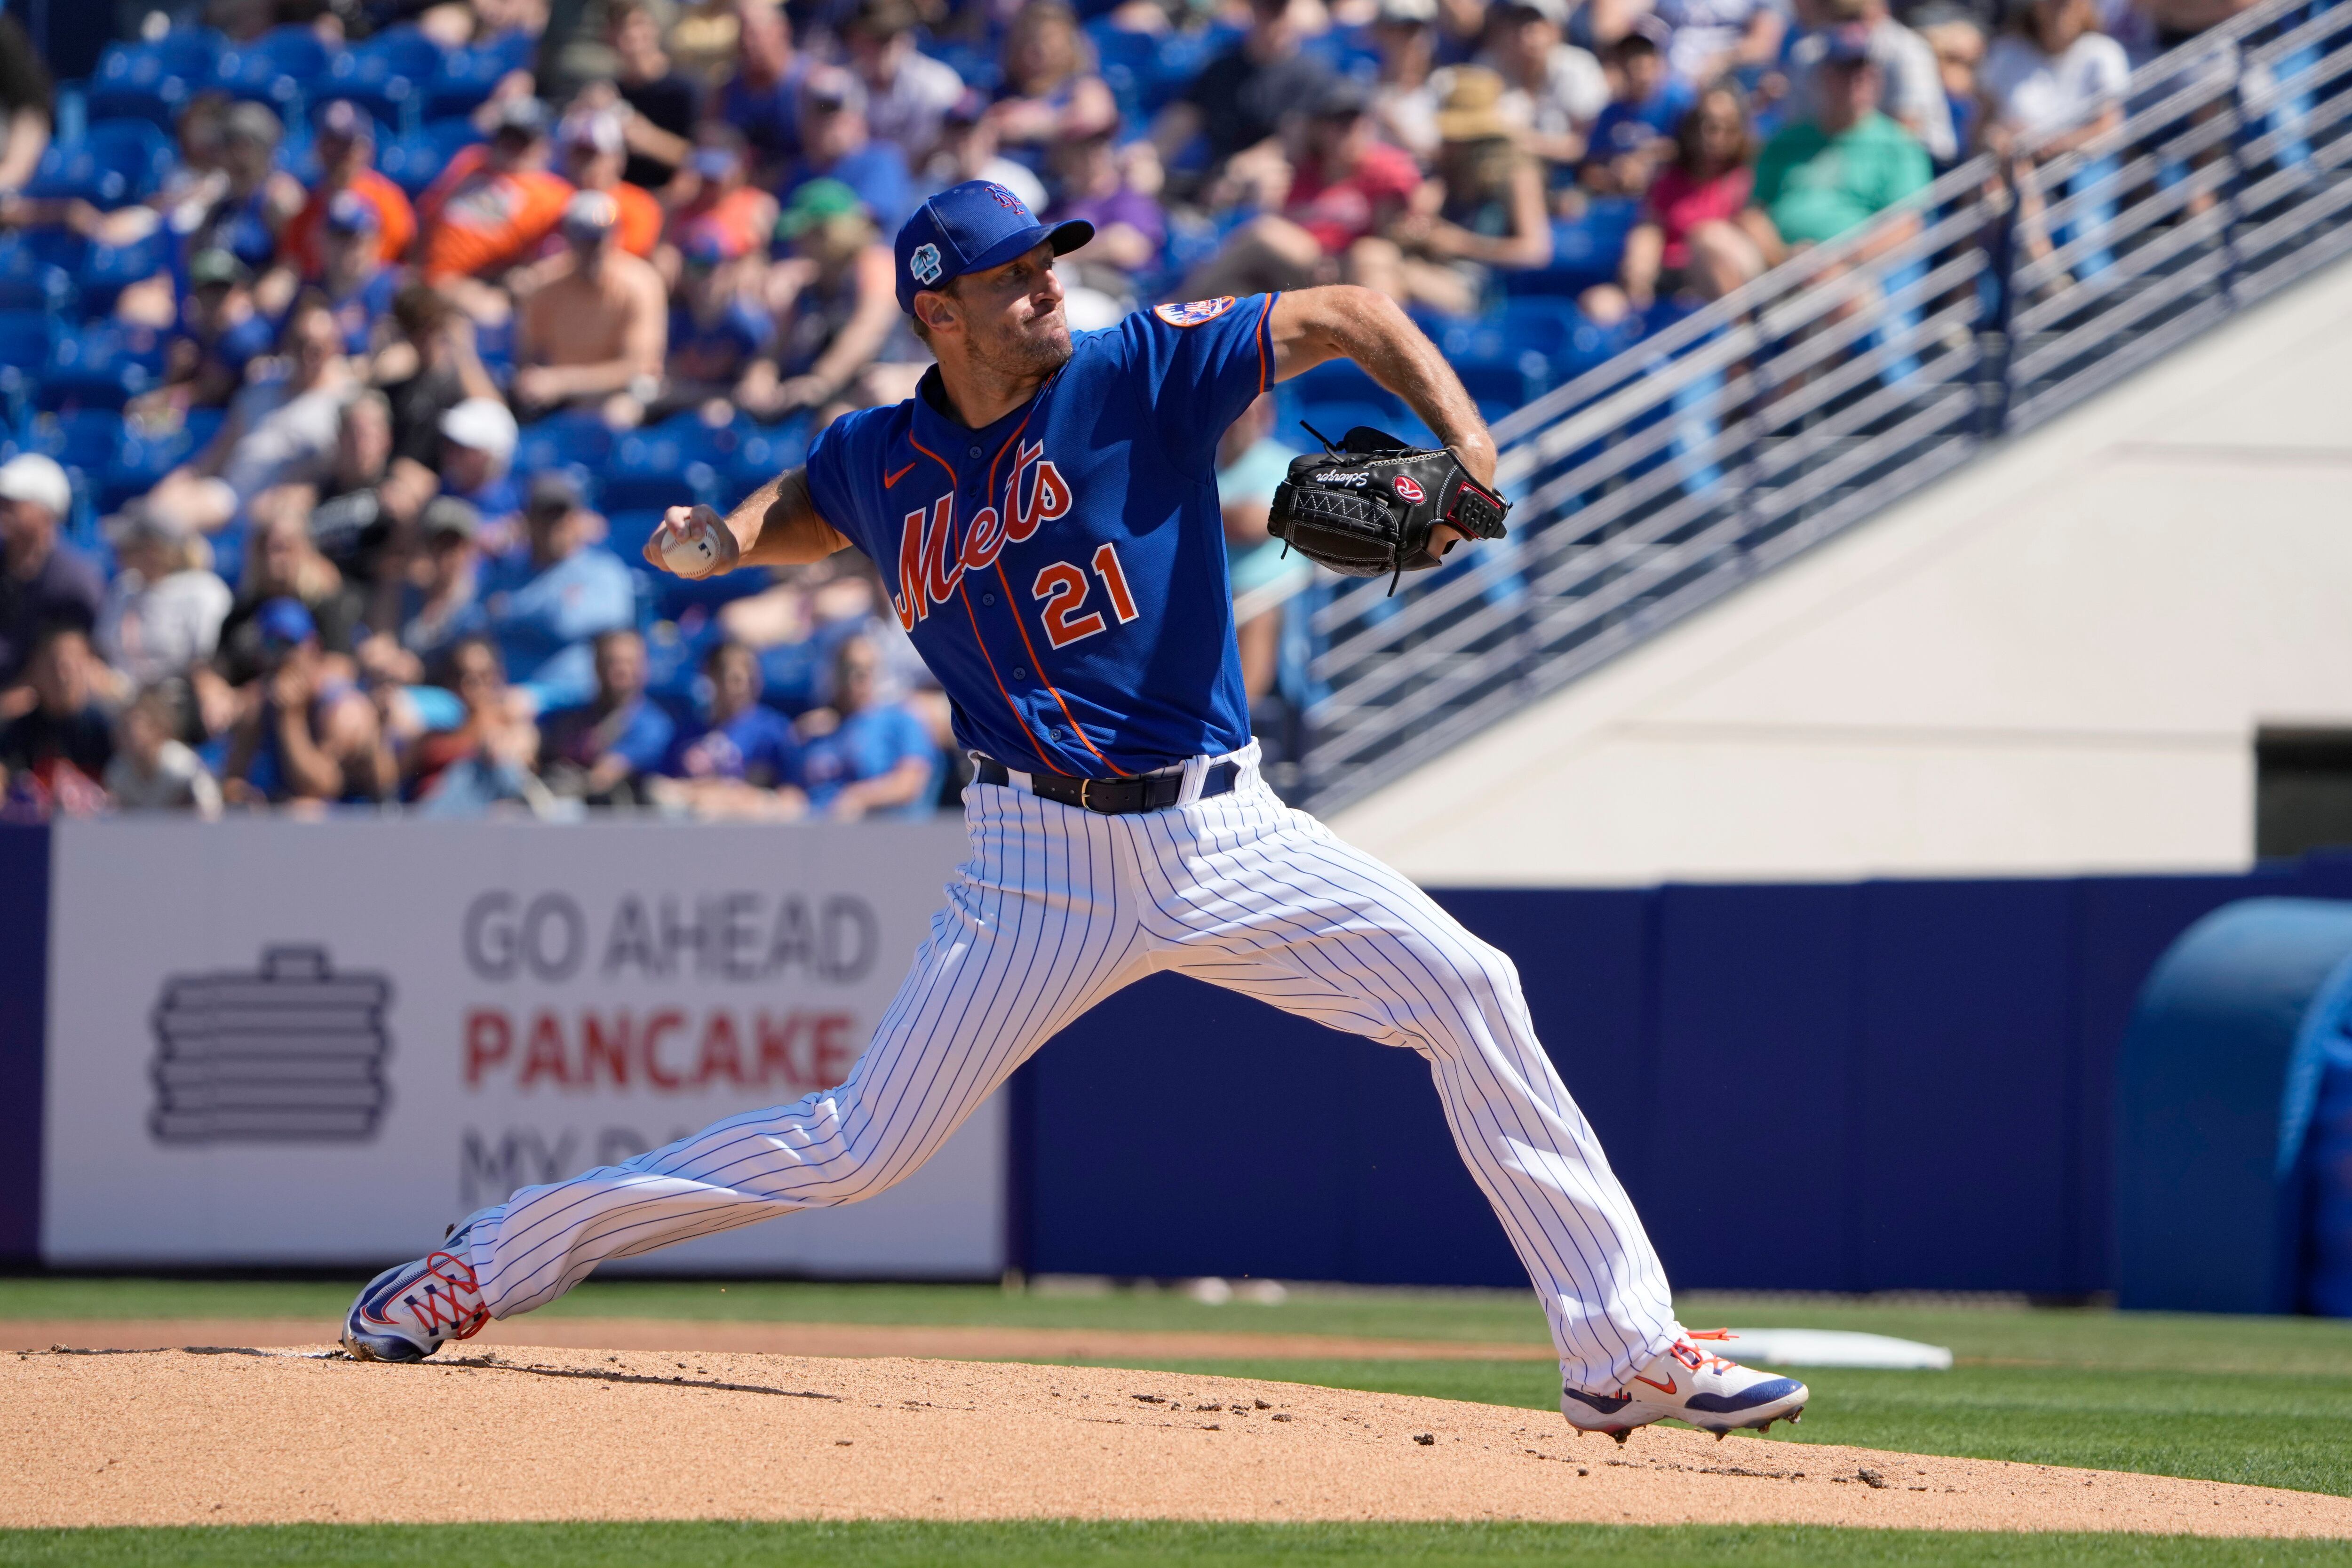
<point>280,69</point>
<point>657,479</point>
<point>116,163</point>
<point>1340,381</point>
<point>1130,62</point>
<point>89,439</point>
<point>109,269</point>
<point>27,338</point>
<point>696,439</point>
<point>384,77</point>
<point>140,460</point>
<point>415,161</point>
<point>461,82</point>
<point>1584,251</point>
<point>765,453</point>
<point>563,439</point>
<point>101,365</point>
<point>150,81</point>
<point>30,282</point>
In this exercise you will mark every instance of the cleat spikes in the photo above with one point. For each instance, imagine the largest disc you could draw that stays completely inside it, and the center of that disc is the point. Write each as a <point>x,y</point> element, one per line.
<point>1622,1434</point>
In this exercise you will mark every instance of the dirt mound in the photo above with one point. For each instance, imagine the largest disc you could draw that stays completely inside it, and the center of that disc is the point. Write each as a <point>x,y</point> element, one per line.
<point>950,1341</point>
<point>234,1436</point>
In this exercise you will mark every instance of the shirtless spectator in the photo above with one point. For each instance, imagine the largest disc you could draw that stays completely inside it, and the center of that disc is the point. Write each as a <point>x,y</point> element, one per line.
<point>491,208</point>
<point>596,330</point>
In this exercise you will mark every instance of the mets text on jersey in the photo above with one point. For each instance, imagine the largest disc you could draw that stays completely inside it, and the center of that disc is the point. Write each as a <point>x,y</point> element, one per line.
<point>931,563</point>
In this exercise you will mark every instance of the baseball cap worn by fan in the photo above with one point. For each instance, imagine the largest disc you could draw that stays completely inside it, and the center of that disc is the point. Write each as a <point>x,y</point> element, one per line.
<point>814,203</point>
<point>283,623</point>
<point>1847,46</point>
<point>351,213</point>
<point>38,482</point>
<point>971,227</point>
<point>591,215</point>
<point>209,268</point>
<point>449,515</point>
<point>485,424</point>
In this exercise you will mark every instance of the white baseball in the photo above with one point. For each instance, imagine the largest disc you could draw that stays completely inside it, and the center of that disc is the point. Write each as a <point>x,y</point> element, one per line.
<point>690,553</point>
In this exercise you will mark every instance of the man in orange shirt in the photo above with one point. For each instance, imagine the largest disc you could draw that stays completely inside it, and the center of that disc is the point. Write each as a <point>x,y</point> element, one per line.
<point>346,147</point>
<point>595,150</point>
<point>492,205</point>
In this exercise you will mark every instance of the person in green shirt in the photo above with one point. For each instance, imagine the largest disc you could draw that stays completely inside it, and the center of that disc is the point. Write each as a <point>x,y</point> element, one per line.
<point>1822,177</point>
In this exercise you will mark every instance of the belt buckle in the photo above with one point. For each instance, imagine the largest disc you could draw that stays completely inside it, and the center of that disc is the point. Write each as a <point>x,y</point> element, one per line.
<point>1084,785</point>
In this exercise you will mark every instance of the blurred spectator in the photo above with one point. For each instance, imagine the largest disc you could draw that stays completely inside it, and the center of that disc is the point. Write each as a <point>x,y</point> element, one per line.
<point>255,200</point>
<point>1911,84</point>
<point>439,601</point>
<point>345,143</point>
<point>718,326</point>
<point>1405,101</point>
<point>907,92</point>
<point>153,769</point>
<point>1093,185</point>
<point>1688,241</point>
<point>741,216</point>
<point>595,154</point>
<point>836,146</point>
<point>358,284</point>
<point>596,330</point>
<point>761,99</point>
<point>485,759</point>
<point>2053,84</point>
<point>62,741</point>
<point>283,567</point>
<point>1716,38</point>
<point>603,750</point>
<point>1826,175</point>
<point>363,504</point>
<point>742,761</point>
<point>1242,96</point>
<point>968,151</point>
<point>220,333</point>
<point>1960,46</point>
<point>28,102</point>
<point>44,582</point>
<point>1347,192</point>
<point>165,608</point>
<point>279,430</point>
<point>836,306</point>
<point>476,456</point>
<point>2178,21</point>
<point>1250,464</point>
<point>306,735</point>
<point>1050,81</point>
<point>865,756</point>
<point>428,369</point>
<point>491,208</point>
<point>1488,201</point>
<point>547,603</point>
<point>1636,133</point>
<point>667,101</point>
<point>1552,88</point>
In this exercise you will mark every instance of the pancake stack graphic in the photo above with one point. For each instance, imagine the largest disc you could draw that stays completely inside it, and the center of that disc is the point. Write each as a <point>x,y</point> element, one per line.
<point>292,1052</point>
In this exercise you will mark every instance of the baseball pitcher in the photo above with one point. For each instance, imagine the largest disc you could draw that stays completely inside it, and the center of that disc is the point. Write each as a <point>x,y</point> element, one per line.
<point>1046,514</point>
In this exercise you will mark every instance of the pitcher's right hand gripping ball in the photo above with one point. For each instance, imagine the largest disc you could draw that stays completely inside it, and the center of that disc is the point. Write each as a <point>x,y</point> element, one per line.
<point>1367,510</point>
<point>693,542</point>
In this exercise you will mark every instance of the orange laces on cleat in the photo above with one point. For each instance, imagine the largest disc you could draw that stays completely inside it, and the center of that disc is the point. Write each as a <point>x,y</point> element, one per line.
<point>1697,1360</point>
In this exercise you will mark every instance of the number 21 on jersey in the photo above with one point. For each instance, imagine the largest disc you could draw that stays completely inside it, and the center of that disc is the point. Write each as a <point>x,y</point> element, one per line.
<point>1062,589</point>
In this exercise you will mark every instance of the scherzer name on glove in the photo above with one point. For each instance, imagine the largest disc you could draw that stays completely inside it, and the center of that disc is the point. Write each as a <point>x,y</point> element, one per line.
<point>1366,508</point>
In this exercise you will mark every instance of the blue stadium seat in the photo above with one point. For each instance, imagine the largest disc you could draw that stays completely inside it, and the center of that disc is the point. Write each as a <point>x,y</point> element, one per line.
<point>977,65</point>
<point>1584,251</point>
<point>1180,58</point>
<point>109,269</point>
<point>697,439</point>
<point>27,338</point>
<point>30,282</point>
<point>625,532</point>
<point>1340,381</point>
<point>149,82</point>
<point>462,82</point>
<point>89,439</point>
<point>116,163</point>
<point>401,51</point>
<point>1129,63</point>
<point>190,51</point>
<point>415,161</point>
<point>655,487</point>
<point>280,69</point>
<point>142,460</point>
<point>382,76</point>
<point>765,453</point>
<point>562,439</point>
<point>58,246</point>
<point>101,365</point>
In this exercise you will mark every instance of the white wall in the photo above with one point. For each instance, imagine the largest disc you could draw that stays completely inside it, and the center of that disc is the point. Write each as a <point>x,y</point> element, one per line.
<point>2052,661</point>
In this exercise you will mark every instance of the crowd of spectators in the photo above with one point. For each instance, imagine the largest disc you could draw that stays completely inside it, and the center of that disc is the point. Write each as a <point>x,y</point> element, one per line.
<point>363,582</point>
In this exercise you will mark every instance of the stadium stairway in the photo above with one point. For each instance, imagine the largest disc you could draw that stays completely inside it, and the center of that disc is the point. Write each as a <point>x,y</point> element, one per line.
<point>1681,468</point>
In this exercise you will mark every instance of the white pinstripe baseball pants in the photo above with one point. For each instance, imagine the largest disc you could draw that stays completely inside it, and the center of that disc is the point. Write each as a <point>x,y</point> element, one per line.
<point>1056,909</point>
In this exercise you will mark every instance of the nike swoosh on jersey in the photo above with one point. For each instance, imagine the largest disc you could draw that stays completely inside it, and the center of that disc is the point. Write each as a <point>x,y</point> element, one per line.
<point>889,480</point>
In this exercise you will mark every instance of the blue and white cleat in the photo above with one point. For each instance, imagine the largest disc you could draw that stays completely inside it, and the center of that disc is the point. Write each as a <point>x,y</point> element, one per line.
<point>1689,1384</point>
<point>408,1312</point>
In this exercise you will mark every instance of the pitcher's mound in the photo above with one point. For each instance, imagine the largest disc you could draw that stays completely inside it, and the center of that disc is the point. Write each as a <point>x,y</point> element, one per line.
<point>231,1436</point>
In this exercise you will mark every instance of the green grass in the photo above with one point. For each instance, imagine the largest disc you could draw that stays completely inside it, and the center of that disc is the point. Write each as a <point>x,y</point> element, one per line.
<point>2260,1400</point>
<point>1050,1543</point>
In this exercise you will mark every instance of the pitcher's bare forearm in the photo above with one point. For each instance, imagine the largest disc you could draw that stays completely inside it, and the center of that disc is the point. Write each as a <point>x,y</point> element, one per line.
<point>1312,325</point>
<point>778,525</point>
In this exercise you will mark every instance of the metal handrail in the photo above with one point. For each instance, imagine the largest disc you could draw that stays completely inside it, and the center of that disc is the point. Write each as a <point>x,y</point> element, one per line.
<point>1843,379</point>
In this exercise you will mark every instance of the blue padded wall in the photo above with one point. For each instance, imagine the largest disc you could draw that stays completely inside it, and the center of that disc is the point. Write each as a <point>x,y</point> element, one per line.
<point>24,1011</point>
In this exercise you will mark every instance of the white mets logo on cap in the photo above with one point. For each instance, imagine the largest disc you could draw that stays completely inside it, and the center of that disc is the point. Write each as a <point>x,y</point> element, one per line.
<point>925,264</point>
<point>1193,312</point>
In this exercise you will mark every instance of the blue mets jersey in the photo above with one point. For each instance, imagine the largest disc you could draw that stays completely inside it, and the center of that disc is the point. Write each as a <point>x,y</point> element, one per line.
<point>1063,571</point>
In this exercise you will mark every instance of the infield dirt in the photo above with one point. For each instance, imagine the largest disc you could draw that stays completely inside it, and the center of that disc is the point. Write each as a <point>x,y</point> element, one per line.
<point>245,1435</point>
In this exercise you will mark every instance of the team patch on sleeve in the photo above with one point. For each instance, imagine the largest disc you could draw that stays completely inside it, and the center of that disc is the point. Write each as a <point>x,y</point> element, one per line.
<point>1193,313</point>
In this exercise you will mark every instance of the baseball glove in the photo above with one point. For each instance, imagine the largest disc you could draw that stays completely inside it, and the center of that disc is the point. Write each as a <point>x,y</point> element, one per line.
<point>1365,508</point>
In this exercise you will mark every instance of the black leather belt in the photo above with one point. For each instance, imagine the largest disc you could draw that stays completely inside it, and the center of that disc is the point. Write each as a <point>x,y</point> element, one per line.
<point>1113,797</point>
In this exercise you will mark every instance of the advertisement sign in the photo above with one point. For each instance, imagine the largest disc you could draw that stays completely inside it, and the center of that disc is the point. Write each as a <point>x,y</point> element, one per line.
<point>280,1043</point>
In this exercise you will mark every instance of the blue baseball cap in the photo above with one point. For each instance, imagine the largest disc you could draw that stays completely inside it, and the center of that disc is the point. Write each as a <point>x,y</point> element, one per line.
<point>285,622</point>
<point>971,227</point>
